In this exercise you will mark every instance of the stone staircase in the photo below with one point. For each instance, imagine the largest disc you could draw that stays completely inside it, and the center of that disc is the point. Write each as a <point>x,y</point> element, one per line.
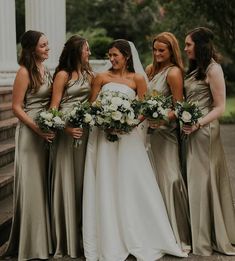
<point>7,149</point>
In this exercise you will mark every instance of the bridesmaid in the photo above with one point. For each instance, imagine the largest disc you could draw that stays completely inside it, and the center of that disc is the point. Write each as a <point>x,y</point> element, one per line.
<point>210,197</point>
<point>71,84</point>
<point>30,233</point>
<point>166,77</point>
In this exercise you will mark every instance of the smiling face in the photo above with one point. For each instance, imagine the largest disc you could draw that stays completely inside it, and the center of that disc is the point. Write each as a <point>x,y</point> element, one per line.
<point>161,52</point>
<point>189,47</point>
<point>117,59</point>
<point>85,53</point>
<point>42,48</point>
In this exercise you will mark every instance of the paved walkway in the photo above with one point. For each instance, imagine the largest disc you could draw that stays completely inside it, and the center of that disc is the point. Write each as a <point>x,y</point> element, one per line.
<point>228,139</point>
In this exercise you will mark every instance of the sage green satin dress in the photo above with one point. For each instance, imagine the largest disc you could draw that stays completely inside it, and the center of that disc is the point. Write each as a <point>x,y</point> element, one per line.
<point>210,198</point>
<point>67,179</point>
<point>30,233</point>
<point>164,154</point>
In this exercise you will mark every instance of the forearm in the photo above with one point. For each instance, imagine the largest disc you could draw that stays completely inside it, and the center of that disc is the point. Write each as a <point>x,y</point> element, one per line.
<point>214,114</point>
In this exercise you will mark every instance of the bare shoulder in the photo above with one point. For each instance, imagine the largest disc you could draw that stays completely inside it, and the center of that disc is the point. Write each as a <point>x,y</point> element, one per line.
<point>214,69</point>
<point>101,77</point>
<point>174,72</point>
<point>138,77</point>
<point>62,75</point>
<point>23,72</point>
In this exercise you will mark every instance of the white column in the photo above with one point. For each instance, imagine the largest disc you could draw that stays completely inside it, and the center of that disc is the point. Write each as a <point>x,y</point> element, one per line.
<point>8,55</point>
<point>48,16</point>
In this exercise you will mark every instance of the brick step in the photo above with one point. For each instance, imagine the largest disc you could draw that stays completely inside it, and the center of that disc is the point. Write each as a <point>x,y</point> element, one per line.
<point>6,111</point>
<point>6,212</point>
<point>5,94</point>
<point>6,180</point>
<point>7,152</point>
<point>7,128</point>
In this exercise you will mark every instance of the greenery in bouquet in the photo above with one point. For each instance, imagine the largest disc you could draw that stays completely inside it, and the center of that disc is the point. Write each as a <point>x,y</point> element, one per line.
<point>113,112</point>
<point>80,117</point>
<point>187,112</point>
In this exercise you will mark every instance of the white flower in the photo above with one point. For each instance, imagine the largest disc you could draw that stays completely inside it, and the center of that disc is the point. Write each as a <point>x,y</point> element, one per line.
<point>116,115</point>
<point>58,120</point>
<point>186,116</point>
<point>49,123</point>
<point>113,107</point>
<point>131,115</point>
<point>155,114</point>
<point>73,112</point>
<point>99,120</point>
<point>87,118</point>
<point>117,101</point>
<point>126,104</point>
<point>46,116</point>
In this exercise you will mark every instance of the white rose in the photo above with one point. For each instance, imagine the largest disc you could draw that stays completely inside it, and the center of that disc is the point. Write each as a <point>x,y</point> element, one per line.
<point>186,116</point>
<point>49,123</point>
<point>117,101</point>
<point>99,120</point>
<point>113,107</point>
<point>58,120</point>
<point>155,114</point>
<point>87,118</point>
<point>116,115</point>
<point>126,104</point>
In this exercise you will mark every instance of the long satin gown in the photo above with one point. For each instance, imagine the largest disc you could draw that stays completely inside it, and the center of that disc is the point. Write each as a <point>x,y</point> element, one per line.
<point>123,210</point>
<point>30,233</point>
<point>67,179</point>
<point>210,198</point>
<point>163,151</point>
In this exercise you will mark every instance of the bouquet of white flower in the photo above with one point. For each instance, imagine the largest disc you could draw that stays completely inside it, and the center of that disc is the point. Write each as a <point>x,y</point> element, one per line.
<point>50,120</point>
<point>80,117</point>
<point>156,106</point>
<point>114,114</point>
<point>187,112</point>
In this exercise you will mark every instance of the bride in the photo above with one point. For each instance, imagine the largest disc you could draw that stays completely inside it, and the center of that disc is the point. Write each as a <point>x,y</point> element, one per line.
<point>123,211</point>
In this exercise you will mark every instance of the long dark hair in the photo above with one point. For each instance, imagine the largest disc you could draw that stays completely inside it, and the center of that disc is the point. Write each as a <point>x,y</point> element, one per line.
<point>71,57</point>
<point>29,41</point>
<point>124,47</point>
<point>204,51</point>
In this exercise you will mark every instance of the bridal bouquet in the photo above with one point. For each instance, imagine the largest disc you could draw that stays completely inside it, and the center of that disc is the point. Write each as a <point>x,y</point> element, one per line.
<point>80,117</point>
<point>114,114</point>
<point>50,120</point>
<point>187,112</point>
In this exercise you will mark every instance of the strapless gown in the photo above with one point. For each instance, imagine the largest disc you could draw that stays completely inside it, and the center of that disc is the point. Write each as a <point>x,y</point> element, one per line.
<point>123,210</point>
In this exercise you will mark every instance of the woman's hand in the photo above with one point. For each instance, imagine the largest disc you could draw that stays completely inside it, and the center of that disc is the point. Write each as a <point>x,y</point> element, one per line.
<point>76,133</point>
<point>188,129</point>
<point>48,136</point>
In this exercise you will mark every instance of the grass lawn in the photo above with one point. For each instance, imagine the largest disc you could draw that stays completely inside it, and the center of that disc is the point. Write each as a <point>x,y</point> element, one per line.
<point>229,115</point>
<point>230,106</point>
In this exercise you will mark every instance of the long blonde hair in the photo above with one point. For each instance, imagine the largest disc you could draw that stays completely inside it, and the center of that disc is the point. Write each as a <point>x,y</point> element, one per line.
<point>170,40</point>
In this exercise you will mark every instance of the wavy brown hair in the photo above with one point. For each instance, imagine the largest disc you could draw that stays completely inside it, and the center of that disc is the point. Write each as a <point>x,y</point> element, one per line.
<point>124,47</point>
<point>204,51</point>
<point>173,46</point>
<point>71,57</point>
<point>29,41</point>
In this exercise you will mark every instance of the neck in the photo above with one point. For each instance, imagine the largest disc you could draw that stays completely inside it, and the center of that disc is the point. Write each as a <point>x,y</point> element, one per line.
<point>120,72</point>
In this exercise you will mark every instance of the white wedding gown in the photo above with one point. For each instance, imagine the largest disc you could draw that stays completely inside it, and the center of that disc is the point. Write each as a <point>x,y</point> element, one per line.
<point>123,210</point>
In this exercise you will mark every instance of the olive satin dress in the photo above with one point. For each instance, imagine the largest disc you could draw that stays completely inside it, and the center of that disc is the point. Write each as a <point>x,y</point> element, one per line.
<point>164,154</point>
<point>30,233</point>
<point>67,178</point>
<point>210,198</point>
